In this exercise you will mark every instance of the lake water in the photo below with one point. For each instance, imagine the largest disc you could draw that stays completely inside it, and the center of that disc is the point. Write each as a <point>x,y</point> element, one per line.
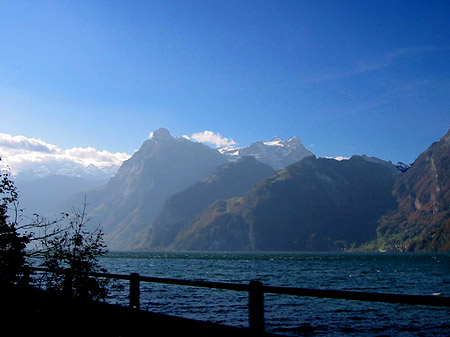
<point>405,273</point>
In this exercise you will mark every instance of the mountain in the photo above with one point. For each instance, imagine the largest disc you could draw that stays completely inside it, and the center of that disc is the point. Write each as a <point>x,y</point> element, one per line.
<point>66,169</point>
<point>315,204</point>
<point>230,180</point>
<point>322,204</point>
<point>277,153</point>
<point>44,195</point>
<point>131,200</point>
<point>179,195</point>
<point>422,218</point>
<point>44,187</point>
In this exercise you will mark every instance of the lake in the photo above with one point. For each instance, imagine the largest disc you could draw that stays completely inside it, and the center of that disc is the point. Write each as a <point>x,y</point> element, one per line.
<point>405,273</point>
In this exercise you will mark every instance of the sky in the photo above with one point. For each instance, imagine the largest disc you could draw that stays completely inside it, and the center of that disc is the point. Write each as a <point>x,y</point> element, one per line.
<point>90,80</point>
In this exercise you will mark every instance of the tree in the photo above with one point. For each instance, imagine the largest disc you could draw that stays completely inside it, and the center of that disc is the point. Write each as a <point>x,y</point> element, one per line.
<point>71,252</point>
<point>13,266</point>
<point>68,247</point>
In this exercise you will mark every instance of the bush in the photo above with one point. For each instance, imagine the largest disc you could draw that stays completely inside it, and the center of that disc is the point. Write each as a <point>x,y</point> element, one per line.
<point>13,266</point>
<point>72,252</point>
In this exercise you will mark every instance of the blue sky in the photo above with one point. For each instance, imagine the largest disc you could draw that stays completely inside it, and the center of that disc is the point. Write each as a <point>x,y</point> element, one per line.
<point>347,77</point>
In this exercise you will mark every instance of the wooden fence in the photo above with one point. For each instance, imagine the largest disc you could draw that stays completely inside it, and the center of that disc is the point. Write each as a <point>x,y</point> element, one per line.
<point>256,291</point>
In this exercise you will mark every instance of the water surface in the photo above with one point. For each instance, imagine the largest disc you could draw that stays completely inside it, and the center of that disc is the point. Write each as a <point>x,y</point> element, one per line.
<point>405,273</point>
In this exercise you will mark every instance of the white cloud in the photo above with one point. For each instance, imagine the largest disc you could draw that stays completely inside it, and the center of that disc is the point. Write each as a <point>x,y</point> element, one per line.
<point>22,143</point>
<point>89,155</point>
<point>20,152</point>
<point>211,137</point>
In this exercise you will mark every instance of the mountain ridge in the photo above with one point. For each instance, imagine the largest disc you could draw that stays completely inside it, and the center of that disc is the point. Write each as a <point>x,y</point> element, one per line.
<point>277,153</point>
<point>163,165</point>
<point>126,206</point>
<point>422,219</point>
<point>311,205</point>
<point>230,180</point>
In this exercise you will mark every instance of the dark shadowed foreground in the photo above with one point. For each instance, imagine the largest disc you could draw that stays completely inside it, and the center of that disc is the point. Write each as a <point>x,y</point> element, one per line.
<point>33,312</point>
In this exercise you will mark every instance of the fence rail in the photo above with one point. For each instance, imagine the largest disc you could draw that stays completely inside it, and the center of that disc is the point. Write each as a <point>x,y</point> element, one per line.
<point>256,291</point>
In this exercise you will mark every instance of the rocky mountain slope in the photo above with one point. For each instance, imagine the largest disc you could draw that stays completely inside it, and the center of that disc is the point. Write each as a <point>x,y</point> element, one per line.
<point>316,204</point>
<point>422,219</point>
<point>325,205</point>
<point>130,201</point>
<point>230,180</point>
<point>126,205</point>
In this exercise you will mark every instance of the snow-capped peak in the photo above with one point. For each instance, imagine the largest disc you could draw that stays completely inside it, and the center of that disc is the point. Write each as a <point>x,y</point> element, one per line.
<point>70,169</point>
<point>230,150</point>
<point>276,141</point>
<point>277,152</point>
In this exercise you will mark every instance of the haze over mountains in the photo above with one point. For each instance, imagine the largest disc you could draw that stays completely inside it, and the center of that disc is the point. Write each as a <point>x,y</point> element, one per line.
<point>130,201</point>
<point>44,186</point>
<point>273,195</point>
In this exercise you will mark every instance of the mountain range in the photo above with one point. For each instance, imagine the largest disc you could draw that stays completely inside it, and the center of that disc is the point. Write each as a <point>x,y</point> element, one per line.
<point>175,194</point>
<point>128,205</point>
<point>277,153</point>
<point>67,169</point>
<point>44,187</point>
<point>131,200</point>
<point>315,204</point>
<point>319,204</point>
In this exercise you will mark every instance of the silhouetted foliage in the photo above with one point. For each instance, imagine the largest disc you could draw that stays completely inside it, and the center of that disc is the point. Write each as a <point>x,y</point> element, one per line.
<point>13,266</point>
<point>72,252</point>
<point>66,245</point>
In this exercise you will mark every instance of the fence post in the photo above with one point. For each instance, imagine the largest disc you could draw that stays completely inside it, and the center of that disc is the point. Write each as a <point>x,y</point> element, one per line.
<point>134,290</point>
<point>256,307</point>
<point>26,276</point>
